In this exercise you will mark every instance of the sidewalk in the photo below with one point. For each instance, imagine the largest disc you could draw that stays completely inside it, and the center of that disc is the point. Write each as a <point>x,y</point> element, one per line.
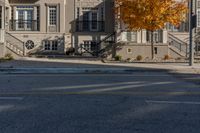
<point>97,65</point>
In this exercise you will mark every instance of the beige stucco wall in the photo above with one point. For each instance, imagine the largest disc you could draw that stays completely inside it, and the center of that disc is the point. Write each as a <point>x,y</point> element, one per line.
<point>141,49</point>
<point>38,39</point>
<point>2,50</point>
<point>69,15</point>
<point>79,37</point>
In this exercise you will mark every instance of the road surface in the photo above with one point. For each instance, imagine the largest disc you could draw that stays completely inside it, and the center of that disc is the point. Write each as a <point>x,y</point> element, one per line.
<point>141,102</point>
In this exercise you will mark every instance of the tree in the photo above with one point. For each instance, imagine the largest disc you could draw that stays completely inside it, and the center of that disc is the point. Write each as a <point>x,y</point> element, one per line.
<point>151,15</point>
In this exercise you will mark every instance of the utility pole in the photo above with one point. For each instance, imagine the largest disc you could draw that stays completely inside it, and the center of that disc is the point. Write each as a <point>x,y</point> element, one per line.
<point>191,44</point>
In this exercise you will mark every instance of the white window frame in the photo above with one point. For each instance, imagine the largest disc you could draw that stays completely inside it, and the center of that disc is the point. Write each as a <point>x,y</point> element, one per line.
<point>52,45</point>
<point>90,12</point>
<point>198,18</point>
<point>24,9</point>
<point>91,20</point>
<point>52,20</point>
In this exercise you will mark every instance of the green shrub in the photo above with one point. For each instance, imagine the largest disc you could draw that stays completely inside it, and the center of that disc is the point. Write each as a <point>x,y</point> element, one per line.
<point>118,57</point>
<point>139,58</point>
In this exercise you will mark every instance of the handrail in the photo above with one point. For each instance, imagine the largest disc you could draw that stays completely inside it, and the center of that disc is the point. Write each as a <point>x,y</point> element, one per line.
<point>14,51</point>
<point>17,43</point>
<point>100,51</point>
<point>86,50</point>
<point>110,35</point>
<point>179,44</point>
<point>176,38</point>
<point>24,25</point>
<point>14,37</point>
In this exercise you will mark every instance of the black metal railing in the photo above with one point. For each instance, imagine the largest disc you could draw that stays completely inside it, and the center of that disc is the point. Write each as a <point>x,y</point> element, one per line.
<point>24,25</point>
<point>88,26</point>
<point>179,44</point>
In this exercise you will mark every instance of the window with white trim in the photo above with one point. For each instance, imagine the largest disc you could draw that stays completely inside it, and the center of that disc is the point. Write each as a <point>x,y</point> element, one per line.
<point>55,45</point>
<point>1,16</point>
<point>52,15</point>
<point>51,45</point>
<point>198,17</point>
<point>198,4</point>
<point>47,45</point>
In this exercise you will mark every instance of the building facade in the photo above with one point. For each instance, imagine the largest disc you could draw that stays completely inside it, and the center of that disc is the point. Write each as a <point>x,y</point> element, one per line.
<point>62,27</point>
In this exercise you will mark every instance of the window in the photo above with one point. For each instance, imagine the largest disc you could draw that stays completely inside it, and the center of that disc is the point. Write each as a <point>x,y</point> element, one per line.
<point>38,18</point>
<point>198,4</point>
<point>78,13</point>
<point>129,50</point>
<point>86,21</point>
<point>55,45</point>
<point>24,18</point>
<point>86,45</point>
<point>0,16</point>
<point>90,45</point>
<point>47,45</point>
<point>198,17</point>
<point>155,50</point>
<point>157,36</point>
<point>94,18</point>
<point>102,14</point>
<point>51,45</point>
<point>131,36</point>
<point>52,15</point>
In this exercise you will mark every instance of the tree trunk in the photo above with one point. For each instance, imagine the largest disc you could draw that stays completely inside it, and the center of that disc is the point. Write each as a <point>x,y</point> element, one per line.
<point>152,47</point>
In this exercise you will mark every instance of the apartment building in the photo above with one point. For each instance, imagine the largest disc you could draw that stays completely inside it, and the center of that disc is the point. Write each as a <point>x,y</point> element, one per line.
<point>55,26</point>
<point>82,27</point>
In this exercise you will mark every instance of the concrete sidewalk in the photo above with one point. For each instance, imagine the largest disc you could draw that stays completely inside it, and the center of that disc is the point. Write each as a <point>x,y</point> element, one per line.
<point>61,65</point>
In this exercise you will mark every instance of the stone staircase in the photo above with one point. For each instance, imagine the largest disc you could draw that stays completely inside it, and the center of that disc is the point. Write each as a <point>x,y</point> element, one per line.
<point>14,45</point>
<point>179,43</point>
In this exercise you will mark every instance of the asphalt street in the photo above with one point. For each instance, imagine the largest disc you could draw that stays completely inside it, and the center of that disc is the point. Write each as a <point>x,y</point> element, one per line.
<point>141,102</point>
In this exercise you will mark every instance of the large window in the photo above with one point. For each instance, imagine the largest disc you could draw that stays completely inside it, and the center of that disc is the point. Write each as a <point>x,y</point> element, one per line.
<point>23,18</point>
<point>90,19</point>
<point>52,15</point>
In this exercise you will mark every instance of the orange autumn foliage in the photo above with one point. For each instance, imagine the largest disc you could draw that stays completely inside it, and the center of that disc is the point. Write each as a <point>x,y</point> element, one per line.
<point>150,14</point>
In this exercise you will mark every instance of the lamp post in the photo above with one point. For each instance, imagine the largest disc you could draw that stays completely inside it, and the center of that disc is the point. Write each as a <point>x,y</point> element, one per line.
<point>191,44</point>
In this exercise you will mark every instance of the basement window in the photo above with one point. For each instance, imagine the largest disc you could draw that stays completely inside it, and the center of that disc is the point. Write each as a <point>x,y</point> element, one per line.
<point>51,45</point>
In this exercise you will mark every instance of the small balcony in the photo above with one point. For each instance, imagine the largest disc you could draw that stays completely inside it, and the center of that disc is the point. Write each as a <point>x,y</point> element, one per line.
<point>90,26</point>
<point>24,25</point>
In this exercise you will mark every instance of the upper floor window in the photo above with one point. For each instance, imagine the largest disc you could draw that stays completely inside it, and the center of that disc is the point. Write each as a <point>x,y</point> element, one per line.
<point>1,17</point>
<point>52,15</point>
<point>198,4</point>
<point>90,19</point>
<point>198,17</point>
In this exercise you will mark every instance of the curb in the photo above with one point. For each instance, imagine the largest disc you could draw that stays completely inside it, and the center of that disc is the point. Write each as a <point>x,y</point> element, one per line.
<point>75,70</point>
